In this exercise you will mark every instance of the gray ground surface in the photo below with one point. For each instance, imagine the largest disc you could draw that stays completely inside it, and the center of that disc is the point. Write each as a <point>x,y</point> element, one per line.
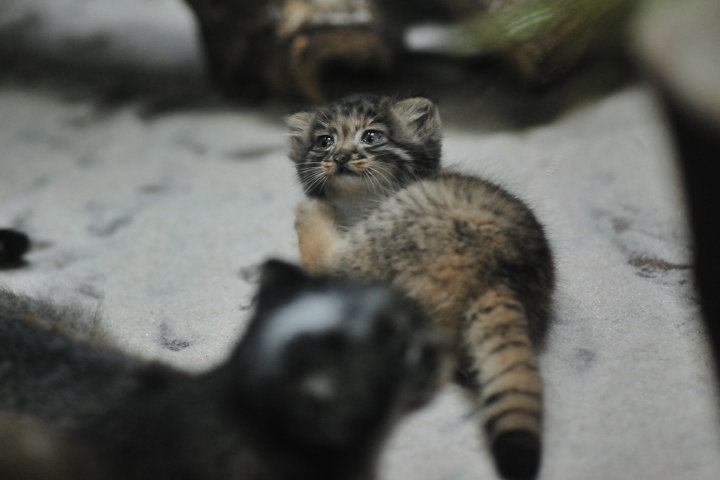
<point>152,200</point>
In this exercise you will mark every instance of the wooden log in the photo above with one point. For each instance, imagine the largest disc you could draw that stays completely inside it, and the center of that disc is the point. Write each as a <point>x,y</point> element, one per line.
<point>290,47</point>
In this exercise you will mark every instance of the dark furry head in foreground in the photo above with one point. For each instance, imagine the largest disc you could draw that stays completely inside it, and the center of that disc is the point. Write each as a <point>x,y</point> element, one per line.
<point>334,360</point>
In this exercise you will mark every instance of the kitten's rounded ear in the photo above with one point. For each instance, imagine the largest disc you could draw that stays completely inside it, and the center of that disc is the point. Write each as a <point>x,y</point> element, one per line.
<point>278,280</point>
<point>298,126</point>
<point>299,122</point>
<point>420,115</point>
<point>280,275</point>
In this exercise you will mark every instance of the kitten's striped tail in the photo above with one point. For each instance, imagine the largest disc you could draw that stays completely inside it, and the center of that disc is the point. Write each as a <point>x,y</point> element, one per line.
<point>509,389</point>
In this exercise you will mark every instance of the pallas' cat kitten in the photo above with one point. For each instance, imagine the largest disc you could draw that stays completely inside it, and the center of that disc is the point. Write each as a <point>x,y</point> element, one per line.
<point>473,255</point>
<point>325,370</point>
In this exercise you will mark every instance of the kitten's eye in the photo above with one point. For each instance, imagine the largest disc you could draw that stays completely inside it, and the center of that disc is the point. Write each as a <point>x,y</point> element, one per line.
<point>324,141</point>
<point>372,136</point>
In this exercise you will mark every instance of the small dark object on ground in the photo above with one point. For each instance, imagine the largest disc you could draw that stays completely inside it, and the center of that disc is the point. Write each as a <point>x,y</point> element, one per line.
<point>13,245</point>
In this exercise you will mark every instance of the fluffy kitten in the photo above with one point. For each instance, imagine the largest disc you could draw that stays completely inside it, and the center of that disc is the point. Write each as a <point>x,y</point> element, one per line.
<point>325,369</point>
<point>473,255</point>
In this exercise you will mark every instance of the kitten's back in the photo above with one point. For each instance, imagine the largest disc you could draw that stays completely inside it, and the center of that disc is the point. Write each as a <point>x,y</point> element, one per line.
<point>477,259</point>
<point>445,239</point>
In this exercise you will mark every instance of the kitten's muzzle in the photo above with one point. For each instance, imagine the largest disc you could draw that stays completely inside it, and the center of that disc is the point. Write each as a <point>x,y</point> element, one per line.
<point>347,164</point>
<point>341,158</point>
<point>345,169</point>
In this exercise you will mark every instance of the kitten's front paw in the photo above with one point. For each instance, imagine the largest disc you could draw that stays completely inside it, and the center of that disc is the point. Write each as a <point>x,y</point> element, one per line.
<point>315,228</point>
<point>310,212</point>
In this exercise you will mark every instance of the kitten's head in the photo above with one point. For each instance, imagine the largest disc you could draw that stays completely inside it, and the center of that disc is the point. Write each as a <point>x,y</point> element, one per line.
<point>332,364</point>
<point>364,144</point>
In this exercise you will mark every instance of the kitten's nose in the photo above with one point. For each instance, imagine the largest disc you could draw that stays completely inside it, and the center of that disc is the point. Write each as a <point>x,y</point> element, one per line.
<point>341,158</point>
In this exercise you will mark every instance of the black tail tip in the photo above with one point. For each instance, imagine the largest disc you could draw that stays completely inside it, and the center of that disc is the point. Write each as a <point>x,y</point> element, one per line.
<point>517,454</point>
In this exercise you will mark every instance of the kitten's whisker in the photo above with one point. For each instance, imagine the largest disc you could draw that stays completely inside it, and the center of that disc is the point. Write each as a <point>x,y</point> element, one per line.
<point>374,182</point>
<point>307,165</point>
<point>310,174</point>
<point>382,171</point>
<point>370,177</point>
<point>309,169</point>
<point>315,181</point>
